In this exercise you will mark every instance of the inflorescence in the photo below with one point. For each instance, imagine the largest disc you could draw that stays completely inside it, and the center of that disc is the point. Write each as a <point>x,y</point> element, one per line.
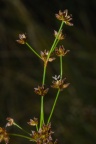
<point>43,133</point>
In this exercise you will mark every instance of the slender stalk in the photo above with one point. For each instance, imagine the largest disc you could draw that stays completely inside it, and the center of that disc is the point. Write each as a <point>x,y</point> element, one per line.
<point>20,128</point>
<point>33,50</point>
<point>36,127</point>
<point>55,45</point>
<point>61,67</point>
<point>56,39</point>
<point>53,107</point>
<point>44,73</point>
<point>18,135</point>
<point>42,99</point>
<point>42,111</point>
<point>61,72</point>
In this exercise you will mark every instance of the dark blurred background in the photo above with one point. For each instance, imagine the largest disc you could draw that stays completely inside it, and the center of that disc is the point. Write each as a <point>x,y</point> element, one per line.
<point>74,119</point>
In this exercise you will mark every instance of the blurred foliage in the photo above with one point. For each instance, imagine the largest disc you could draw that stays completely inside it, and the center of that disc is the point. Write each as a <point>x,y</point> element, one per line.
<point>74,120</point>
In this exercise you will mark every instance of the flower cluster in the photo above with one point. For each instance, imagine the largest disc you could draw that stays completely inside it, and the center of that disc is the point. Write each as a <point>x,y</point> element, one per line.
<point>10,122</point>
<point>40,90</point>
<point>59,36</point>
<point>33,122</point>
<point>59,83</point>
<point>61,51</point>
<point>44,57</point>
<point>22,39</point>
<point>63,16</point>
<point>4,135</point>
<point>43,135</point>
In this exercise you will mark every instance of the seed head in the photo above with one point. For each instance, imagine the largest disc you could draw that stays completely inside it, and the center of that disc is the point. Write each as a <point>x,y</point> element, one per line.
<point>4,135</point>
<point>43,135</point>
<point>44,55</point>
<point>40,90</point>
<point>59,83</point>
<point>59,36</point>
<point>10,122</point>
<point>61,51</point>
<point>22,39</point>
<point>33,122</point>
<point>63,16</point>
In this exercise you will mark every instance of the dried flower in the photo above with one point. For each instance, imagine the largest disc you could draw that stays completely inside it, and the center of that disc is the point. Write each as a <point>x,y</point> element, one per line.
<point>33,122</point>
<point>44,56</point>
<point>63,16</point>
<point>4,135</point>
<point>59,36</point>
<point>22,39</point>
<point>56,77</point>
<point>41,90</point>
<point>61,51</point>
<point>59,83</point>
<point>10,122</point>
<point>43,135</point>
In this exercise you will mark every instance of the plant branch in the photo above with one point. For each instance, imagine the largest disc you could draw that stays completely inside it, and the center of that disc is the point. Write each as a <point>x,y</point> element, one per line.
<point>53,107</point>
<point>18,135</point>
<point>33,50</point>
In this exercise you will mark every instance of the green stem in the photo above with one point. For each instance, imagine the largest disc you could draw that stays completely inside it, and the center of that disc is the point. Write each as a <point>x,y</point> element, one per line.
<point>44,73</point>
<point>55,46</point>
<point>20,128</point>
<point>42,100</point>
<point>55,41</point>
<point>33,50</point>
<point>36,127</point>
<point>61,72</point>
<point>53,107</point>
<point>18,135</point>
<point>42,111</point>
<point>61,67</point>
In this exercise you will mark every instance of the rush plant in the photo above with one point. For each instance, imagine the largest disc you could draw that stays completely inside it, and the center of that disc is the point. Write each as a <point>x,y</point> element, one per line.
<point>43,133</point>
